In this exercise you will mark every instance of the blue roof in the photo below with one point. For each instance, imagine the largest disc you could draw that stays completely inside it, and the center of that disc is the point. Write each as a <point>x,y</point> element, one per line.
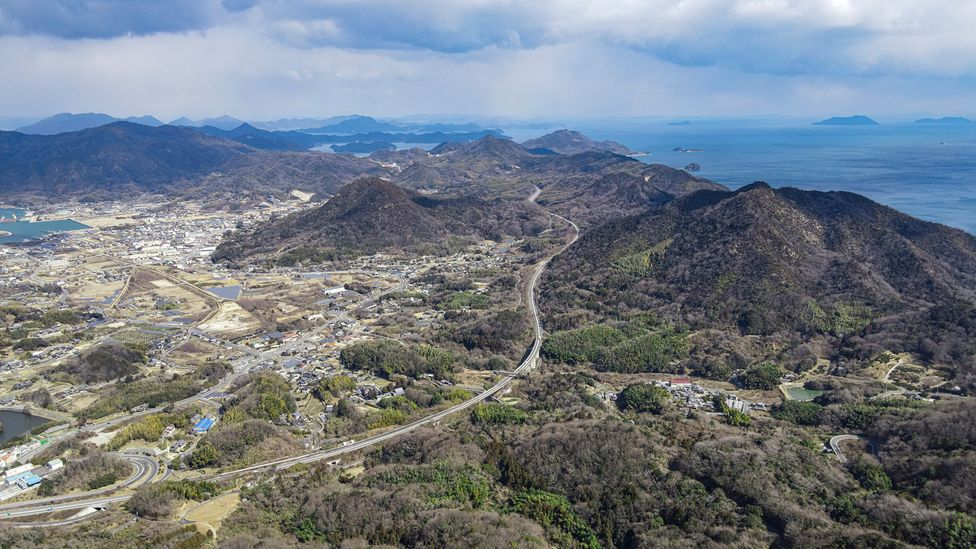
<point>31,479</point>
<point>204,424</point>
<point>19,476</point>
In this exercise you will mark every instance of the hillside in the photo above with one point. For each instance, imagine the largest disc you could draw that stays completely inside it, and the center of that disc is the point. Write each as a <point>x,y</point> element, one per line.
<point>814,275</point>
<point>491,167</point>
<point>113,157</point>
<point>373,214</point>
<point>572,142</point>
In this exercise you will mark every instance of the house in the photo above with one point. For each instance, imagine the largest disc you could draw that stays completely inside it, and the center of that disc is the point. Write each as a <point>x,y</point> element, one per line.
<point>680,381</point>
<point>55,464</point>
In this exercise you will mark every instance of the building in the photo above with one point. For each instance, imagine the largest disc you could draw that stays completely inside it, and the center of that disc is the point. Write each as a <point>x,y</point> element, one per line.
<point>14,471</point>
<point>55,464</point>
<point>203,425</point>
<point>28,480</point>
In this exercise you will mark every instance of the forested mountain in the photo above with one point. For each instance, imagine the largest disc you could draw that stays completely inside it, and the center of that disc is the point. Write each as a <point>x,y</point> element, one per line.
<point>812,274</point>
<point>373,214</point>
<point>110,157</point>
<point>98,163</point>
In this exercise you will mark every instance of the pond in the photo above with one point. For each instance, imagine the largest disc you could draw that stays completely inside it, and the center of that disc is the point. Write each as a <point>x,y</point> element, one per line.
<point>18,423</point>
<point>799,393</point>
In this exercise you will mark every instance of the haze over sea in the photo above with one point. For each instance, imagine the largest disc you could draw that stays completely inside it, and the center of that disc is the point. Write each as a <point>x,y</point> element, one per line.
<point>926,170</point>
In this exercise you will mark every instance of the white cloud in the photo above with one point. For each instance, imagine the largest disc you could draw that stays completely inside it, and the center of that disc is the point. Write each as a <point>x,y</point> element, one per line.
<point>514,57</point>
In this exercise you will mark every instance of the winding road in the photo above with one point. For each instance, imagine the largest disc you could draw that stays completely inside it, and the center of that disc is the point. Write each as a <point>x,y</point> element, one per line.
<point>528,362</point>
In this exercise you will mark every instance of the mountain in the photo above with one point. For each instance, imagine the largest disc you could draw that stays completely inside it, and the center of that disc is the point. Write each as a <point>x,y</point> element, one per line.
<point>595,201</point>
<point>120,155</point>
<point>858,120</point>
<point>263,139</point>
<point>146,120</point>
<point>67,122</point>
<point>99,163</point>
<point>780,274</point>
<point>223,122</point>
<point>571,142</point>
<point>946,120</point>
<point>288,124</point>
<point>501,167</point>
<point>356,124</point>
<point>373,214</point>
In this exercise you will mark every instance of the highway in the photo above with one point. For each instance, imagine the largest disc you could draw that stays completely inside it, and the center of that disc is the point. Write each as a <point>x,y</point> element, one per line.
<point>145,470</point>
<point>528,362</point>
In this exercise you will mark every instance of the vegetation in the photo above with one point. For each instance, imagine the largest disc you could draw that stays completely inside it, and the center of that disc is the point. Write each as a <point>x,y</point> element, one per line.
<point>388,358</point>
<point>800,413</point>
<point>633,348</point>
<point>265,395</point>
<point>94,471</point>
<point>555,513</point>
<point>761,376</point>
<point>148,429</point>
<point>158,500</point>
<point>334,386</point>
<point>106,362</point>
<point>497,414</point>
<point>644,397</point>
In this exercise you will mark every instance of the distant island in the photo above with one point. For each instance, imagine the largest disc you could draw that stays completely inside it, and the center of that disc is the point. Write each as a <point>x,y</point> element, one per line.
<point>680,123</point>
<point>946,120</point>
<point>858,120</point>
<point>364,147</point>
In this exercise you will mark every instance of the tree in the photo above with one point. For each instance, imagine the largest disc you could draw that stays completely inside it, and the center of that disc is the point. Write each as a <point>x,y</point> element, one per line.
<point>642,397</point>
<point>205,454</point>
<point>800,413</point>
<point>764,376</point>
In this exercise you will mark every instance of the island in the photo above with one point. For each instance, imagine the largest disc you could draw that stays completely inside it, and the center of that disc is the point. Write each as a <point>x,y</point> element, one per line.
<point>364,147</point>
<point>858,120</point>
<point>946,121</point>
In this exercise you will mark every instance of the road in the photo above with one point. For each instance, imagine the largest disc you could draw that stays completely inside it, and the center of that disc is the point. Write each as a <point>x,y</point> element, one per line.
<point>528,362</point>
<point>835,445</point>
<point>145,470</point>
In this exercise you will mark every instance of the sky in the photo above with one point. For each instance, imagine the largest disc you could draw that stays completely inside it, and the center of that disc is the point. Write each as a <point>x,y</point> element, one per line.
<point>266,59</point>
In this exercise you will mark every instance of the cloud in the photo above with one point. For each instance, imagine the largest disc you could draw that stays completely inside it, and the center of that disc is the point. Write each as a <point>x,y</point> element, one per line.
<point>105,18</point>
<point>267,58</point>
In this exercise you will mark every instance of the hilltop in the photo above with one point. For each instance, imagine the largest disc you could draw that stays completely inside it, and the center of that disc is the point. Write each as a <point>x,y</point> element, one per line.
<point>812,274</point>
<point>493,166</point>
<point>572,142</point>
<point>373,214</point>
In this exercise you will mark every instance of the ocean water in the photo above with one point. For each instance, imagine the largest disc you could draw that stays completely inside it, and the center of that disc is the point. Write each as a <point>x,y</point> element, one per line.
<point>21,231</point>
<point>928,171</point>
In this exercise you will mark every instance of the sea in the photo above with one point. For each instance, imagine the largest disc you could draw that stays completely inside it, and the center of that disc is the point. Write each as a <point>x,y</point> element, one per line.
<point>24,231</point>
<point>925,170</point>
